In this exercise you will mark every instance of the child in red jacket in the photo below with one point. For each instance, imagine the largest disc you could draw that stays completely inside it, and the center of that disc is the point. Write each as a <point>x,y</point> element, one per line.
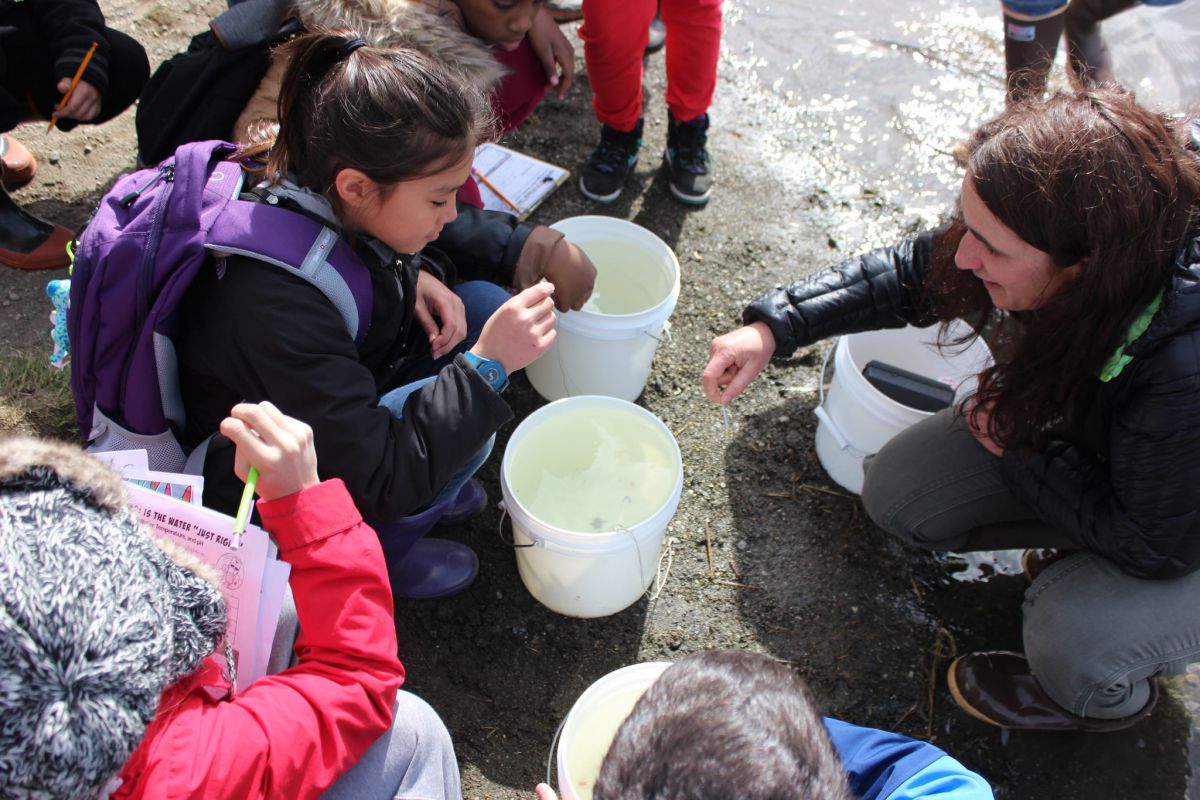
<point>108,687</point>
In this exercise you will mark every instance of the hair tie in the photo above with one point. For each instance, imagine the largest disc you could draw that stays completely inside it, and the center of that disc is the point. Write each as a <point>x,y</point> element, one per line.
<point>349,46</point>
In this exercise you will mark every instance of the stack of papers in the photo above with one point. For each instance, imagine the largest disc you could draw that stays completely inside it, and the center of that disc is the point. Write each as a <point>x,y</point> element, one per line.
<point>513,182</point>
<point>251,578</point>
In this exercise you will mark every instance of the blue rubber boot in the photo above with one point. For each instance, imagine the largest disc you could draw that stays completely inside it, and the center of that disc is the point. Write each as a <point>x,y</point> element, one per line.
<point>470,502</point>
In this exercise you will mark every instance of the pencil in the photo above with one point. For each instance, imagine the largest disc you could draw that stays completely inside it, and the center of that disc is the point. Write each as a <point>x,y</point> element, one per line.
<point>243,513</point>
<point>71,89</point>
<point>496,191</point>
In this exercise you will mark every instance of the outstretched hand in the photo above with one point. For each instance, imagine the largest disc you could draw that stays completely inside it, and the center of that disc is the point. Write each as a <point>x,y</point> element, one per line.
<point>278,446</point>
<point>554,51</point>
<point>735,359</point>
<point>573,276</point>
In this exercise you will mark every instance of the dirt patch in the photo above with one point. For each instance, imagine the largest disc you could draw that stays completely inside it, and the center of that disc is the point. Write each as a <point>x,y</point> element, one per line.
<point>797,570</point>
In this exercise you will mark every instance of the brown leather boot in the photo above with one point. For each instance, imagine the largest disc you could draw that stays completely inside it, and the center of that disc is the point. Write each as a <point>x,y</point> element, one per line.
<point>29,242</point>
<point>19,165</point>
<point>998,688</point>
<point>1035,560</point>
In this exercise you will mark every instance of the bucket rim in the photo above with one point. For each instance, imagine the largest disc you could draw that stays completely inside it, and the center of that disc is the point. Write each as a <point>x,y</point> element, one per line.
<point>577,538</point>
<point>842,351</point>
<point>651,314</point>
<point>629,674</point>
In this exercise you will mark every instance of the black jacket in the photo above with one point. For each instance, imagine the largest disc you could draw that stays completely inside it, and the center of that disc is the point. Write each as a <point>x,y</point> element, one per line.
<point>1135,499</point>
<point>250,331</point>
<point>67,28</point>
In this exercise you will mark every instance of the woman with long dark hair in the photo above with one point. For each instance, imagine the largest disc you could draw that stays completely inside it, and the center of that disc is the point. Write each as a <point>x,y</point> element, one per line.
<point>1075,249</point>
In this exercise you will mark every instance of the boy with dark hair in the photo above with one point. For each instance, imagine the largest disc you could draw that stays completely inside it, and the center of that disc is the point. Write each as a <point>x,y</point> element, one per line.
<point>729,723</point>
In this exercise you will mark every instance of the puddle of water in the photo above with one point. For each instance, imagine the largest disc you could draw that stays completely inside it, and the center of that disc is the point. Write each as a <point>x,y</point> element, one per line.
<point>983,565</point>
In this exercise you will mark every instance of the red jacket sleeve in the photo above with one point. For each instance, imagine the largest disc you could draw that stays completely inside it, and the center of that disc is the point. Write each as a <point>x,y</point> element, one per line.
<point>293,734</point>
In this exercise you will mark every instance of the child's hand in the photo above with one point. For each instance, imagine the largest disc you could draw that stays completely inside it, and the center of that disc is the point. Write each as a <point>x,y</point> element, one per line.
<point>554,50</point>
<point>520,330</point>
<point>436,303</point>
<point>278,446</point>
<point>84,103</point>
<point>735,359</point>
<point>544,792</point>
<point>573,276</point>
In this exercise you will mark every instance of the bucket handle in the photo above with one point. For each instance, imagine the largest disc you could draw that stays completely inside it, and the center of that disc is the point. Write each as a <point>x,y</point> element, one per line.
<point>500,530</point>
<point>554,749</point>
<point>822,415</point>
<point>666,329</point>
<point>824,366</point>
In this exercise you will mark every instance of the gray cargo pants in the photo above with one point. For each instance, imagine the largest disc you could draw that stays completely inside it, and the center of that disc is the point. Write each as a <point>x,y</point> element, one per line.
<point>1094,636</point>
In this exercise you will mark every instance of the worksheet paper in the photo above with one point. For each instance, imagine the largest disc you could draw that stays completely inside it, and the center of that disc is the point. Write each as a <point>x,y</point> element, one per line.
<point>207,534</point>
<point>524,180</point>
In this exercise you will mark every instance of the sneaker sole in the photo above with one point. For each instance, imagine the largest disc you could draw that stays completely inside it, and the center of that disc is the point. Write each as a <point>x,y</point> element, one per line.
<point>679,194</point>
<point>690,199</point>
<point>605,198</point>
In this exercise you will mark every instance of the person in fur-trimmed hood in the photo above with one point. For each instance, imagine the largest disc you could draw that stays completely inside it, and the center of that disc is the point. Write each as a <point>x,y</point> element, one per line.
<point>109,687</point>
<point>513,53</point>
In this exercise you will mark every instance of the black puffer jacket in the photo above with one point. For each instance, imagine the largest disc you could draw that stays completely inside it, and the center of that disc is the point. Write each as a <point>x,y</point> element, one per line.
<point>1136,499</point>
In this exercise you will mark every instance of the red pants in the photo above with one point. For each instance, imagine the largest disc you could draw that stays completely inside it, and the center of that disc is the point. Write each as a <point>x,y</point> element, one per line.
<point>614,34</point>
<point>513,100</point>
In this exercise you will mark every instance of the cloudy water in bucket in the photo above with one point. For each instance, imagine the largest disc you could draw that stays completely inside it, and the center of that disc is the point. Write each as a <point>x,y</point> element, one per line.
<point>595,735</point>
<point>593,472</point>
<point>629,279</point>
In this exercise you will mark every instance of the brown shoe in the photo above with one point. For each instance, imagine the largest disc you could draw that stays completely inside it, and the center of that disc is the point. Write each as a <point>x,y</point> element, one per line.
<point>50,254</point>
<point>19,165</point>
<point>1035,560</point>
<point>998,688</point>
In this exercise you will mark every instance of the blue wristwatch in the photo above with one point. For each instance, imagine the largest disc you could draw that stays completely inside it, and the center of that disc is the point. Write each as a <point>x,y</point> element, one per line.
<point>491,371</point>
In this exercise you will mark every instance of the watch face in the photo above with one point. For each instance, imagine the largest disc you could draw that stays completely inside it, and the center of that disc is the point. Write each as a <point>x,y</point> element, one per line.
<point>491,374</point>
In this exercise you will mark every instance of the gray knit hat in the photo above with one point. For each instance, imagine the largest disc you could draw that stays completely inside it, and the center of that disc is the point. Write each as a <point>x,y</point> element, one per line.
<point>96,620</point>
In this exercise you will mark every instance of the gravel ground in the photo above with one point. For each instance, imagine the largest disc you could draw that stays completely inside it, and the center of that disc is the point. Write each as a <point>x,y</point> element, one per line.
<point>796,569</point>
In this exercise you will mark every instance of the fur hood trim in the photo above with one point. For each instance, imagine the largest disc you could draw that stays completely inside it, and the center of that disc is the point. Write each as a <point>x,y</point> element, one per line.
<point>400,23</point>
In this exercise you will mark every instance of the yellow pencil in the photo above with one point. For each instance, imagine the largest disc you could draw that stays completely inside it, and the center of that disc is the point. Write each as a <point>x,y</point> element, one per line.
<point>71,89</point>
<point>498,193</point>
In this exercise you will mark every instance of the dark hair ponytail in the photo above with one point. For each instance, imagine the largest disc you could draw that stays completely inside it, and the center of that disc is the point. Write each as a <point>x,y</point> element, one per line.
<point>395,114</point>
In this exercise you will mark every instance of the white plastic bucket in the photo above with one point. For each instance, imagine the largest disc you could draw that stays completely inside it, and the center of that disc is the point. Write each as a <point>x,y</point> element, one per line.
<point>856,419</point>
<point>610,353</point>
<point>581,573</point>
<point>592,723</point>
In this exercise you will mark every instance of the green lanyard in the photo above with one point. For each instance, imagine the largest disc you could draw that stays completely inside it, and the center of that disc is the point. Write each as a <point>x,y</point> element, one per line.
<point>1118,360</point>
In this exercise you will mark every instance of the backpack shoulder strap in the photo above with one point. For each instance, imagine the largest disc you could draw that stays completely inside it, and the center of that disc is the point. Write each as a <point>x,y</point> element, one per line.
<point>303,247</point>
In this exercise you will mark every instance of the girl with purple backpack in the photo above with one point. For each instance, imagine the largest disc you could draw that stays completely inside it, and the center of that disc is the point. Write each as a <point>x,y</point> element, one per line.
<point>374,143</point>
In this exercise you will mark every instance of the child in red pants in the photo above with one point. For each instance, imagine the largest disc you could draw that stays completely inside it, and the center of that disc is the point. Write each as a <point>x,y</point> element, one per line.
<point>614,34</point>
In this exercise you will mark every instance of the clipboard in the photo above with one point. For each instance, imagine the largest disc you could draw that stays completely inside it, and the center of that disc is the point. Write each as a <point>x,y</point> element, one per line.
<point>524,180</point>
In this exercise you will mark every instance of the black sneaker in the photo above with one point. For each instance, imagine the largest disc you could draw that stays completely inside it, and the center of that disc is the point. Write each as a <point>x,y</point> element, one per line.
<point>686,159</point>
<point>608,165</point>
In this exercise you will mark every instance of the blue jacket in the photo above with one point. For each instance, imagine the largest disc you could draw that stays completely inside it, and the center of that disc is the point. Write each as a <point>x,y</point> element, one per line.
<point>888,766</point>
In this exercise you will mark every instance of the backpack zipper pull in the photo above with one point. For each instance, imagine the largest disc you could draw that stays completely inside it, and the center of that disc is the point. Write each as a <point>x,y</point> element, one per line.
<point>165,172</point>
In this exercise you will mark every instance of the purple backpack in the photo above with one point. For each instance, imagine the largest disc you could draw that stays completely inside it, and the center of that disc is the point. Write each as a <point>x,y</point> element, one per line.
<point>152,234</point>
